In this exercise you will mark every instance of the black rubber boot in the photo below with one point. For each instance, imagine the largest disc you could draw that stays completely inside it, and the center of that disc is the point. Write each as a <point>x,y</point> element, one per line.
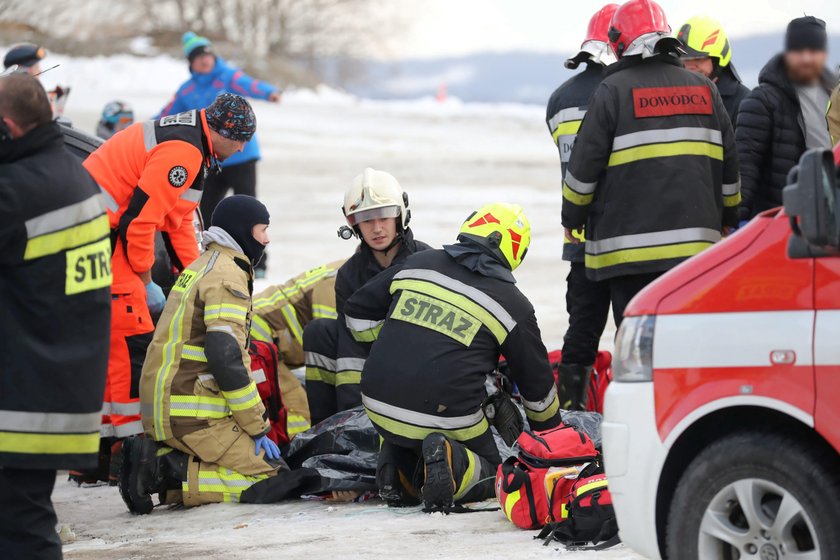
<point>573,386</point>
<point>439,483</point>
<point>395,488</point>
<point>140,475</point>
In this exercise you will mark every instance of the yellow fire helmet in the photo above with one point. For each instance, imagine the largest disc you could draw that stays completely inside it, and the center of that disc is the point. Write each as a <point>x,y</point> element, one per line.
<point>703,36</point>
<point>503,228</point>
<point>375,194</point>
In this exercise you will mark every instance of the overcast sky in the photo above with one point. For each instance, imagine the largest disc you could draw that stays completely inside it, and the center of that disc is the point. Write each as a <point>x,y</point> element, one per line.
<point>456,27</point>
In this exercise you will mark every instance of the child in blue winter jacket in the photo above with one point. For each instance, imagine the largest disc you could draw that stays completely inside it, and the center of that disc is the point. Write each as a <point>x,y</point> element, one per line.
<point>212,75</point>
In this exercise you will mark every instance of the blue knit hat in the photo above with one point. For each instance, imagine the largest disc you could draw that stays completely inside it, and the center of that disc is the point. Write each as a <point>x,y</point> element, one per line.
<point>195,45</point>
<point>232,117</point>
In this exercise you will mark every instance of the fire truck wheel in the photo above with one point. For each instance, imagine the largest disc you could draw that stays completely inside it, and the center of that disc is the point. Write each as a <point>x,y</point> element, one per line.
<point>760,495</point>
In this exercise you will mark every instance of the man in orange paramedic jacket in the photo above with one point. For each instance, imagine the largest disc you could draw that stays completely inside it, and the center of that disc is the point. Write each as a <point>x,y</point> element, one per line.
<point>152,175</point>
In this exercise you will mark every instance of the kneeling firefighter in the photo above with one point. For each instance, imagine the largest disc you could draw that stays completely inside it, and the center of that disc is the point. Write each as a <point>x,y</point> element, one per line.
<point>376,209</point>
<point>197,397</point>
<point>441,321</point>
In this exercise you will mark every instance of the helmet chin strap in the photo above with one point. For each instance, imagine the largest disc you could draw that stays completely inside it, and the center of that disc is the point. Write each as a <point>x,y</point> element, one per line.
<point>397,240</point>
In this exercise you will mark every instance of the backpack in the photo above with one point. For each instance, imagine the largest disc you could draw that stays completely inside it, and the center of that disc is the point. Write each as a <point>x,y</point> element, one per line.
<point>264,358</point>
<point>531,487</point>
<point>588,515</point>
<point>598,382</point>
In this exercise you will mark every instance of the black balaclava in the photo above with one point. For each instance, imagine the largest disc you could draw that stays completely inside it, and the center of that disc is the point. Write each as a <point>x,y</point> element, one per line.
<point>237,215</point>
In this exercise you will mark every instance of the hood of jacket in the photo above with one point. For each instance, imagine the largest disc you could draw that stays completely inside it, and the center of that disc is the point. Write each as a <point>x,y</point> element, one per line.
<point>476,258</point>
<point>205,79</point>
<point>775,74</point>
<point>44,137</point>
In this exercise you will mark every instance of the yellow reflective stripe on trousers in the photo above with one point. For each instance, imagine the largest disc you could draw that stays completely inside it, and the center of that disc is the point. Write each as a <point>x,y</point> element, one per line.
<point>224,481</point>
<point>48,444</point>
<point>662,252</point>
<point>320,311</point>
<point>731,201</point>
<point>510,502</point>
<point>546,414</point>
<point>296,424</point>
<point>669,149</point>
<point>244,398</point>
<point>456,299</point>
<point>349,377</point>
<point>410,431</point>
<point>75,236</point>
<point>198,406</point>
<point>175,330</point>
<point>194,353</point>
<point>260,329</point>
<point>318,374</point>
<point>470,477</point>
<point>225,311</point>
<point>292,322</point>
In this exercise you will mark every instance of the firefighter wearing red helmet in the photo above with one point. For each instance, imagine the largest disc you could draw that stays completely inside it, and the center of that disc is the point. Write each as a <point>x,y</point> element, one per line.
<point>587,302</point>
<point>654,173</point>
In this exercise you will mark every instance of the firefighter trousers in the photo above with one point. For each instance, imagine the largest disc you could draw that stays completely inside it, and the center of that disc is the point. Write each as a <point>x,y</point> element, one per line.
<point>473,474</point>
<point>334,364</point>
<point>624,288</point>
<point>27,518</point>
<point>294,397</point>
<point>223,463</point>
<point>588,306</point>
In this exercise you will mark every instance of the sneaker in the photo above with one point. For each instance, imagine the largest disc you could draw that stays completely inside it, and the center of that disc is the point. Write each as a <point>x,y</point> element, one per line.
<point>139,475</point>
<point>439,483</point>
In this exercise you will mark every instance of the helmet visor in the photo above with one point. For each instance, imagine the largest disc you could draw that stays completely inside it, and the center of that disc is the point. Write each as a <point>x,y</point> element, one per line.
<point>373,214</point>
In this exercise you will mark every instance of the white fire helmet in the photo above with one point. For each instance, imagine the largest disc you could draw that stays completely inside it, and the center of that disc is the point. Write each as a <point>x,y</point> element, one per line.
<point>375,195</point>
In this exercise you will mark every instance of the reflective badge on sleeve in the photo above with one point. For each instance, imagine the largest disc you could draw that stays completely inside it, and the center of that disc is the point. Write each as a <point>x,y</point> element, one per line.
<point>436,315</point>
<point>675,100</point>
<point>88,267</point>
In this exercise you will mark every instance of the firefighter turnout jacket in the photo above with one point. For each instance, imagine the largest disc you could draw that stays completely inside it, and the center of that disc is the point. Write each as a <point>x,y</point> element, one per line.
<point>564,113</point>
<point>439,330</point>
<point>196,373</point>
<point>55,278</point>
<point>654,173</point>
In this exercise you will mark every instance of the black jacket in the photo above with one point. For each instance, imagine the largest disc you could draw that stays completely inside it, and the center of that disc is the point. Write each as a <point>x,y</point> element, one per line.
<point>55,297</point>
<point>563,115</point>
<point>770,137</point>
<point>441,330</point>
<point>732,92</point>
<point>654,173</point>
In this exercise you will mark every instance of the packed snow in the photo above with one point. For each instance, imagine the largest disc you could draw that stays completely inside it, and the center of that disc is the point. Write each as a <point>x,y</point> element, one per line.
<point>450,157</point>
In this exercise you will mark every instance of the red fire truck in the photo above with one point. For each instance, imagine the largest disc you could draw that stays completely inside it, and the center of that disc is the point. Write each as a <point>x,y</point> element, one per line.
<point>722,427</point>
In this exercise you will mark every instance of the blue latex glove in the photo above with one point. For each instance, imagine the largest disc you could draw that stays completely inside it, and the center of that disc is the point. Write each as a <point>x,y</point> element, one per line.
<point>155,298</point>
<point>271,449</point>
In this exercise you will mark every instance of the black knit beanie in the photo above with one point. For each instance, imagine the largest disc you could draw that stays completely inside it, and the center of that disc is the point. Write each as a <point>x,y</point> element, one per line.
<point>806,33</point>
<point>237,215</point>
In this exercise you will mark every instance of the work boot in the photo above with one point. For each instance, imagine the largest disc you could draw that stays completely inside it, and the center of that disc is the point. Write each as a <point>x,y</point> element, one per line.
<point>115,465</point>
<point>149,468</point>
<point>573,386</point>
<point>394,488</point>
<point>100,473</point>
<point>439,482</point>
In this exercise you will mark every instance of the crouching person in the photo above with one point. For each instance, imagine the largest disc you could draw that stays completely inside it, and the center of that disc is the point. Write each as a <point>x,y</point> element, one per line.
<point>443,318</point>
<point>206,430</point>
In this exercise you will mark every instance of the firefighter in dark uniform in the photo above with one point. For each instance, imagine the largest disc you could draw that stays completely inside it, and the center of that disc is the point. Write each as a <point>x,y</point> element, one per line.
<point>55,279</point>
<point>376,209</point>
<point>654,173</point>
<point>441,320</point>
<point>587,302</point>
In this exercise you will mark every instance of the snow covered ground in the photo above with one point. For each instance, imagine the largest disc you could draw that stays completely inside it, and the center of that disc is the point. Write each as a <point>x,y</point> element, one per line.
<point>451,158</point>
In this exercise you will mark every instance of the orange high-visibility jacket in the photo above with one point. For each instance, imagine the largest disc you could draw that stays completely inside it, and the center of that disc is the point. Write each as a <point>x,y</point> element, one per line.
<point>152,174</point>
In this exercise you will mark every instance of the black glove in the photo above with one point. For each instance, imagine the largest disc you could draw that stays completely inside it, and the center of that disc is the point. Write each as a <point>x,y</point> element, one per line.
<point>503,414</point>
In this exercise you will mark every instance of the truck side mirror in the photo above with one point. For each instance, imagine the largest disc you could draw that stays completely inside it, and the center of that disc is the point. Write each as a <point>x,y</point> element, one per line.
<point>812,202</point>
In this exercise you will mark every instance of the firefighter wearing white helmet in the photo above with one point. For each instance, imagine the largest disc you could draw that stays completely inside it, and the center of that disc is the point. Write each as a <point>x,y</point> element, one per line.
<point>376,210</point>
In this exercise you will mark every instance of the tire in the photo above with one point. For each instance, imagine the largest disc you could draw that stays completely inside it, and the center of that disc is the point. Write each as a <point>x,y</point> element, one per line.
<point>786,481</point>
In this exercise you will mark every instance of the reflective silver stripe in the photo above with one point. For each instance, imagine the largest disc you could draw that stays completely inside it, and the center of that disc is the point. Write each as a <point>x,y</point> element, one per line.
<point>193,353</point>
<point>106,409</point>
<point>198,406</point>
<point>318,360</point>
<point>350,364</point>
<point>130,429</point>
<point>109,201</point>
<point>206,377</point>
<point>565,115</point>
<point>65,217</point>
<point>420,419</point>
<point>228,482</point>
<point>149,139</point>
<point>539,406</point>
<point>50,422</point>
<point>125,409</point>
<point>730,189</point>
<point>221,328</point>
<point>651,239</point>
<point>258,375</point>
<point>244,398</point>
<point>192,195</point>
<point>361,325</point>
<point>566,140</point>
<point>685,133</point>
<point>106,430</point>
<point>579,186</point>
<point>485,301</point>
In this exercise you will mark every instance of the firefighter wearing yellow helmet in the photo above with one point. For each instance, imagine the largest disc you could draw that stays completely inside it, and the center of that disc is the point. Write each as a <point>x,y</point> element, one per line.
<point>440,322</point>
<point>377,213</point>
<point>707,51</point>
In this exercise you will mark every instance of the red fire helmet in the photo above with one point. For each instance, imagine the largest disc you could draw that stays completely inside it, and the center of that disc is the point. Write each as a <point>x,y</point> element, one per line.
<point>635,19</point>
<point>599,25</point>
